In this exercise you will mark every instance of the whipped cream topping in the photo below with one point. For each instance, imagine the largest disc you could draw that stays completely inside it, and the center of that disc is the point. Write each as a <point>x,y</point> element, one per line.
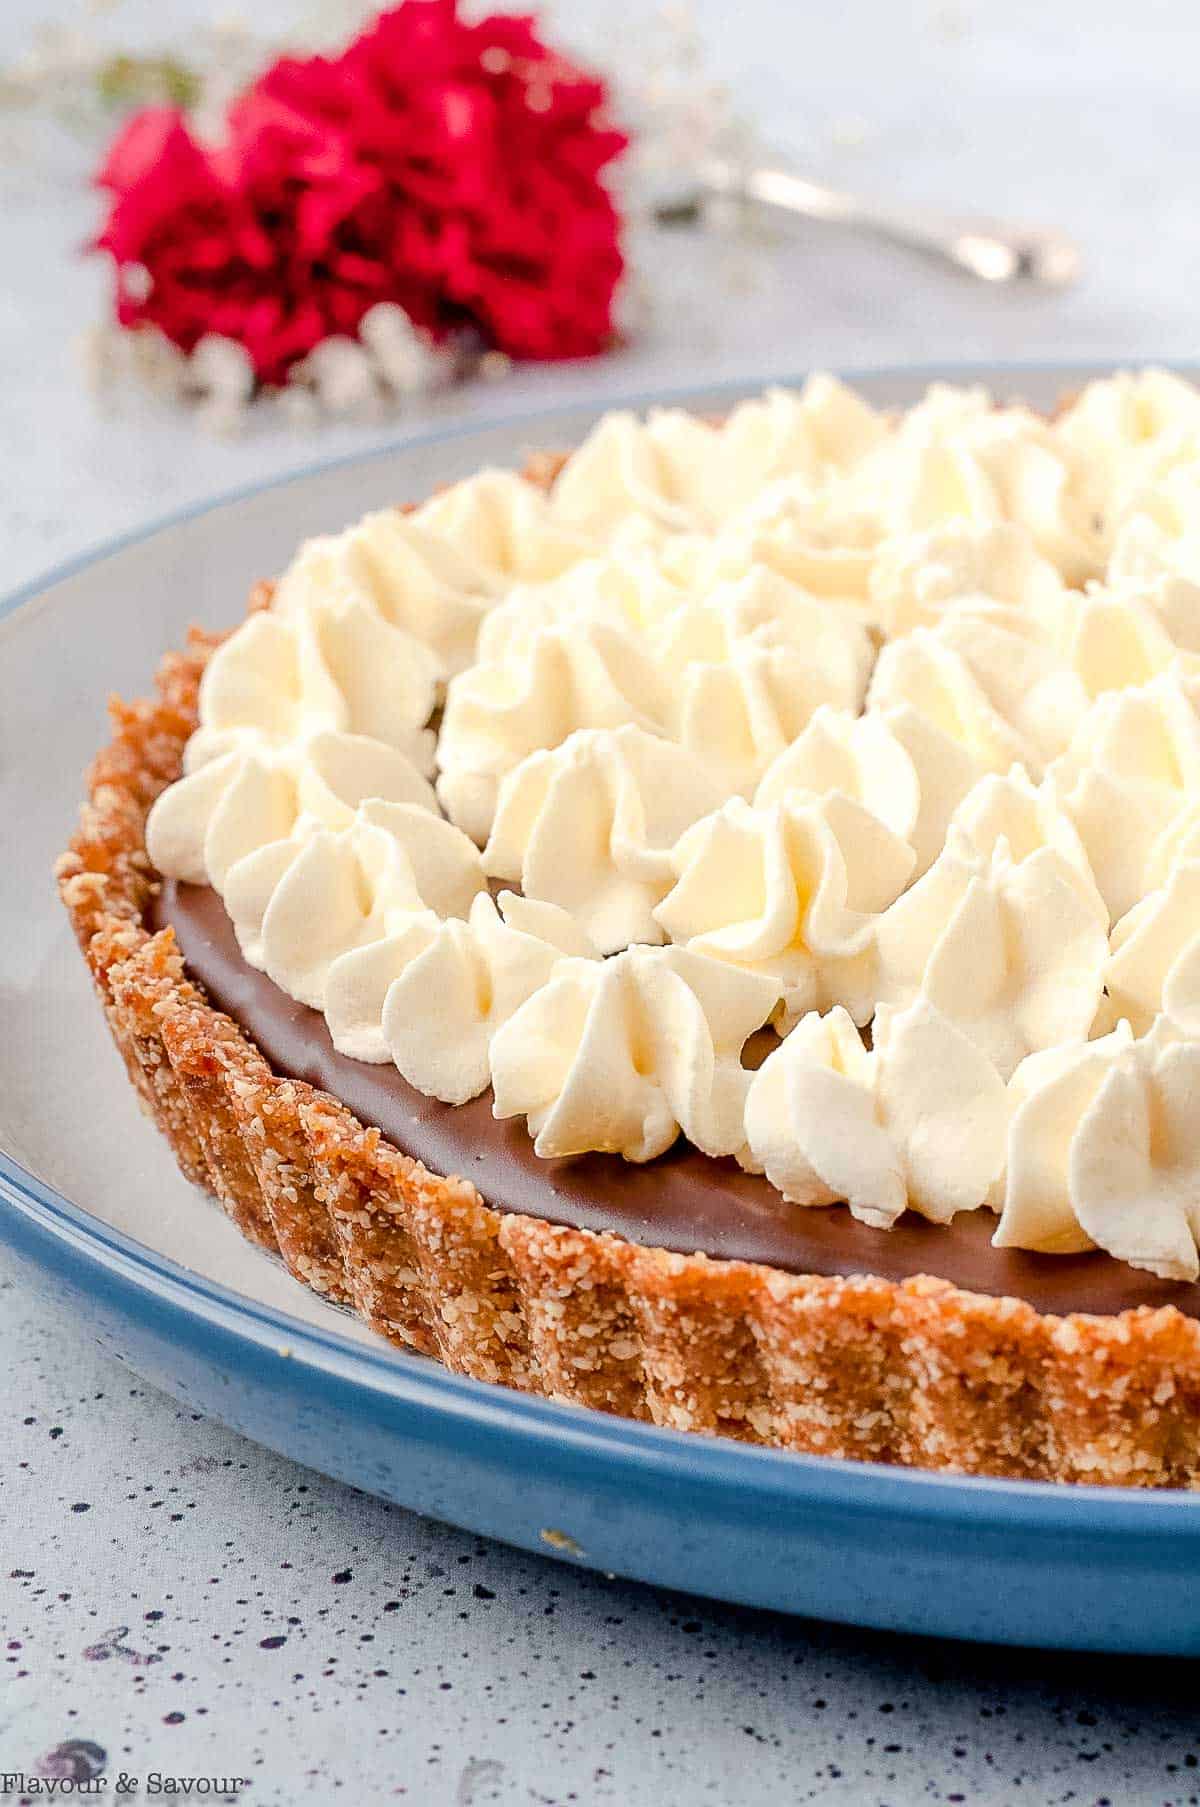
<point>748,666</point>
<point>1010,946</point>
<point>682,472</point>
<point>337,666</point>
<point>857,755</point>
<point>255,793</point>
<point>622,1055</point>
<point>732,674</point>
<point>298,904</point>
<point>445,1006</point>
<point>1157,534</point>
<point>1176,602</point>
<point>987,679</point>
<point>1104,1151</point>
<point>432,573</point>
<point>1154,959</point>
<point>590,826</point>
<point>504,528</point>
<point>917,577</point>
<point>822,540</point>
<point>1027,817</point>
<point>920,1120</point>
<point>1130,781</point>
<point>1129,430</point>
<point>1118,635</point>
<point>561,677</point>
<point>793,891</point>
<point>813,716</point>
<point>1143,435</point>
<point>953,462</point>
<point>957,457</point>
<point>432,597</point>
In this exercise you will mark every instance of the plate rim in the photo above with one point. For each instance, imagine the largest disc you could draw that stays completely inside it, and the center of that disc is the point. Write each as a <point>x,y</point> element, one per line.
<point>982,1503</point>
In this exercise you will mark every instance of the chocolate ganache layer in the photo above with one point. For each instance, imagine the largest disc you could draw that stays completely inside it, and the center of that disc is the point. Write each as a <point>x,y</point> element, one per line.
<point>684,1200</point>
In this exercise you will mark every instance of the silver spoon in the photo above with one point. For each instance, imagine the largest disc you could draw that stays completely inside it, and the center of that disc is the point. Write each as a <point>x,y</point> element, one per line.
<point>988,249</point>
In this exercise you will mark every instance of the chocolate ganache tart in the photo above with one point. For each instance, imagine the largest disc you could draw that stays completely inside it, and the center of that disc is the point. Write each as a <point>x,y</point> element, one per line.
<point>708,927</point>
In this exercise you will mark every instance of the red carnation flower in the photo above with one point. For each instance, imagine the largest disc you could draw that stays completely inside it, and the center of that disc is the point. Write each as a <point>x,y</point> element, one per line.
<point>454,169</point>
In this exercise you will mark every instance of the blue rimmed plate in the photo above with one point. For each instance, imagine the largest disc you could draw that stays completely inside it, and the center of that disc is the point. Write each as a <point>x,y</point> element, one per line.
<point>97,1215</point>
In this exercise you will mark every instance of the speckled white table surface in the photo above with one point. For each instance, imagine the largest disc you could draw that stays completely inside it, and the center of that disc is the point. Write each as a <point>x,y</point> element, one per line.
<point>176,1600</point>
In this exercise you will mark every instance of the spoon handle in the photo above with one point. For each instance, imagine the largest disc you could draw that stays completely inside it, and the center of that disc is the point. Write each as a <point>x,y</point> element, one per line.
<point>989,249</point>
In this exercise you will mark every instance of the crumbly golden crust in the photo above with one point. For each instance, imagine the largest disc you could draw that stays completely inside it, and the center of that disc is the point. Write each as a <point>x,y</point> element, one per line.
<point>919,1373</point>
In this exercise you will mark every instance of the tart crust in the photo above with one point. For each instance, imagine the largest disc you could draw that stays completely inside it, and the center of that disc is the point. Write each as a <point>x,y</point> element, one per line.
<point>917,1372</point>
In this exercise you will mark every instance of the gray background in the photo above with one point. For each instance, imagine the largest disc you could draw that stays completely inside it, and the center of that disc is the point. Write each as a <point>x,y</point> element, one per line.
<point>194,1605</point>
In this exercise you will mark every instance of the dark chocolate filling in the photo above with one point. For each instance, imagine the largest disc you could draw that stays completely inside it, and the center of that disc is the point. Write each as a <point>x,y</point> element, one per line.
<point>684,1200</point>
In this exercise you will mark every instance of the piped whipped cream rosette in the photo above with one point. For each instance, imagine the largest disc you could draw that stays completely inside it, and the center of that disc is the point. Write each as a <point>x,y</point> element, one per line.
<point>628,586</point>
<point>793,891</point>
<point>957,457</point>
<point>563,676</point>
<point>337,665</point>
<point>731,676</point>
<point>684,473</point>
<point>966,699</point>
<point>748,666</point>
<point>444,1006</point>
<point>455,981</point>
<point>300,903</point>
<point>590,826</point>
<point>505,528</point>
<point>954,461</point>
<point>432,574</point>
<point>1111,635</point>
<point>1120,637</point>
<point>1130,782</point>
<point>1158,532</point>
<point>1142,435</point>
<point>859,756</point>
<point>1129,431</point>
<point>365,626</point>
<point>385,925</point>
<point>1028,818</point>
<point>1176,603</point>
<point>993,684</point>
<point>1154,962</point>
<point>257,793</point>
<point>987,492</point>
<point>1010,946</point>
<point>916,577</point>
<point>918,1121</point>
<point>623,1055</point>
<point>424,590</point>
<point>1104,1151</point>
<point>895,762</point>
<point>989,683</point>
<point>799,534</point>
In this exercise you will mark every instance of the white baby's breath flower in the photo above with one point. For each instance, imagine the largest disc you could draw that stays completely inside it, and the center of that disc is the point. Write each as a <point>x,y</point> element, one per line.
<point>220,370</point>
<point>100,349</point>
<point>160,365</point>
<point>342,374</point>
<point>404,357</point>
<point>220,381</point>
